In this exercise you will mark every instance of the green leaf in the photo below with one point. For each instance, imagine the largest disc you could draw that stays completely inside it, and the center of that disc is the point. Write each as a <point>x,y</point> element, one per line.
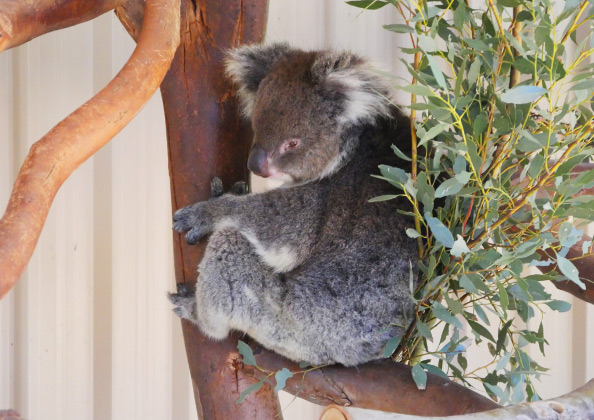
<point>481,314</point>
<point>434,370</point>
<point>411,233</point>
<point>476,160</point>
<point>474,71</point>
<point>455,306</point>
<point>437,73</point>
<point>448,187</point>
<point>442,313</point>
<point>368,4</point>
<point>535,166</point>
<point>480,330</point>
<point>570,271</point>
<point>433,132</point>
<point>441,233</point>
<point>246,353</point>
<point>460,17</point>
<point>503,298</point>
<point>419,376</point>
<point>501,336</point>
<point>480,124</point>
<point>248,391</point>
<point>281,378</point>
<point>393,174</point>
<point>418,90</point>
<point>382,198</point>
<point>400,154</point>
<point>459,247</point>
<point>399,28</point>
<point>392,345</point>
<point>523,94</point>
<point>424,330</point>
<point>583,85</point>
<point>468,285</point>
<point>559,305</point>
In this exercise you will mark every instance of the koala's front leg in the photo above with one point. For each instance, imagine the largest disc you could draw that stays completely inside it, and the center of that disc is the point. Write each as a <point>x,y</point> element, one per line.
<point>201,218</point>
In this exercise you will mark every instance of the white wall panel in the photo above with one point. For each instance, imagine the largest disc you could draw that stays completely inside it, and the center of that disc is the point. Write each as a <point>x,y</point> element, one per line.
<point>87,332</point>
<point>6,176</point>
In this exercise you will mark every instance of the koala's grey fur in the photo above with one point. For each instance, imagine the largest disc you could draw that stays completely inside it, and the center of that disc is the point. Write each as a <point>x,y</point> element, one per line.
<point>313,270</point>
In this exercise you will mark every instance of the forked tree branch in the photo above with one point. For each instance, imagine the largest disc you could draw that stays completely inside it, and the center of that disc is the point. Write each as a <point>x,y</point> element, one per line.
<point>53,158</point>
<point>21,21</point>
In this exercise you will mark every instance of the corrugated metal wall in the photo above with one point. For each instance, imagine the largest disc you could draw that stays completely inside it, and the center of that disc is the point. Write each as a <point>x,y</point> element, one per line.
<point>87,332</point>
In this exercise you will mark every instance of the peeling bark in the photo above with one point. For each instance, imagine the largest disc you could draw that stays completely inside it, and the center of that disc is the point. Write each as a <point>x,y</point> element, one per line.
<point>53,158</point>
<point>21,21</point>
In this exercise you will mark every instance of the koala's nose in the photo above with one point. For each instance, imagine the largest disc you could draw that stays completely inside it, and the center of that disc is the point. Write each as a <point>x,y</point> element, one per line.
<point>258,161</point>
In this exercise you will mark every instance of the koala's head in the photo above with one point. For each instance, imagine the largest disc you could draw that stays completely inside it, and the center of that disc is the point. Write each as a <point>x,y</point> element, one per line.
<point>301,103</point>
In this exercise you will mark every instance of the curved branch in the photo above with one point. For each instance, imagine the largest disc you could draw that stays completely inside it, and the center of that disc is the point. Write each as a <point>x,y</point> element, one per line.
<point>380,385</point>
<point>53,158</point>
<point>21,21</point>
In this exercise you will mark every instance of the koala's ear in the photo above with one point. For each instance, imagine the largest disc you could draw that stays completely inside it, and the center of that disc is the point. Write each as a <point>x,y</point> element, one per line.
<point>368,95</point>
<point>248,65</point>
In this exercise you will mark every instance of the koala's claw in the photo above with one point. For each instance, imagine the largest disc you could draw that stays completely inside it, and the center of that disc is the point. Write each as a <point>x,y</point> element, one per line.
<point>195,234</point>
<point>182,220</point>
<point>216,187</point>
<point>184,302</point>
<point>240,188</point>
<point>193,220</point>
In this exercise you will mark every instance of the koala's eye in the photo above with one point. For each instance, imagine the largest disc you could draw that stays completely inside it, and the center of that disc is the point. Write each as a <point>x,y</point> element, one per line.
<point>290,144</point>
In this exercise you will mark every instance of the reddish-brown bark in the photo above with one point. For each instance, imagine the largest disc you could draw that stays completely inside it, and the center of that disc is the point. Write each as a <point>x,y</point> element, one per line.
<point>9,415</point>
<point>21,21</point>
<point>131,14</point>
<point>207,138</point>
<point>53,158</point>
<point>380,385</point>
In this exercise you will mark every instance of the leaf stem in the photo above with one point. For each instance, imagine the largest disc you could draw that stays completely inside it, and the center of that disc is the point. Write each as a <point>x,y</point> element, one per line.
<point>573,25</point>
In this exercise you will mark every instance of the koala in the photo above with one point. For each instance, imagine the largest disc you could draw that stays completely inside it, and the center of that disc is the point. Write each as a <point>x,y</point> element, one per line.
<point>311,270</point>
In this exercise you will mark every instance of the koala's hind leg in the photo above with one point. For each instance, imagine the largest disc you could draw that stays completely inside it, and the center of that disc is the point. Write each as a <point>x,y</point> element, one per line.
<point>184,302</point>
<point>235,290</point>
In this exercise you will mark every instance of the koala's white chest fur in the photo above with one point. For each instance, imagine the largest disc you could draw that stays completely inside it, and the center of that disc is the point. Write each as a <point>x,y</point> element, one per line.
<point>280,259</point>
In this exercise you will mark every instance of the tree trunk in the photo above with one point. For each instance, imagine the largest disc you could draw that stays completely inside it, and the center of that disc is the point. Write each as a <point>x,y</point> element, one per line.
<point>207,138</point>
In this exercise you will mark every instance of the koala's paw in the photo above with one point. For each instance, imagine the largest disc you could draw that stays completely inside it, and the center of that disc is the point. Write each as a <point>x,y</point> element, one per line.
<point>184,302</point>
<point>240,188</point>
<point>216,187</point>
<point>192,219</point>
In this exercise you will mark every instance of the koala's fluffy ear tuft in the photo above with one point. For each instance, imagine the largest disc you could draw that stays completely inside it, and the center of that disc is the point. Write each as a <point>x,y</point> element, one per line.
<point>248,65</point>
<point>368,94</point>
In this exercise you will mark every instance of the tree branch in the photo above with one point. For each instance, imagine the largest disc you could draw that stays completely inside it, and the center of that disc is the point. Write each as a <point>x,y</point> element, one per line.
<point>381,385</point>
<point>206,137</point>
<point>578,404</point>
<point>131,14</point>
<point>53,158</point>
<point>21,21</point>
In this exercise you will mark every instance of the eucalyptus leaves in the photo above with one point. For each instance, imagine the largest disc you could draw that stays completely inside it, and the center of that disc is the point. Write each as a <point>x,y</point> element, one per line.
<point>501,102</point>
